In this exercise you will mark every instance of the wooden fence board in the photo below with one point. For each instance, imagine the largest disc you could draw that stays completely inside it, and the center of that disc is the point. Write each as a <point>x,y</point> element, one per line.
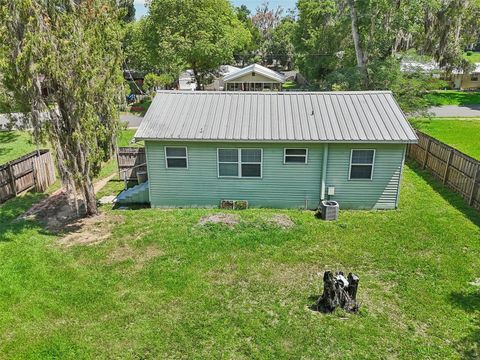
<point>130,160</point>
<point>455,169</point>
<point>33,170</point>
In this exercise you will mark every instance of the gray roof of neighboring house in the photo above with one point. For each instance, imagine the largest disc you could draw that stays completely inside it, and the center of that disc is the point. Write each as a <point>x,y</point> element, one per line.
<point>276,116</point>
<point>254,68</point>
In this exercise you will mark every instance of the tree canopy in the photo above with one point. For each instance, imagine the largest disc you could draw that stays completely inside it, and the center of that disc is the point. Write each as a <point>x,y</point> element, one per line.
<point>65,73</point>
<point>352,44</point>
<point>190,34</point>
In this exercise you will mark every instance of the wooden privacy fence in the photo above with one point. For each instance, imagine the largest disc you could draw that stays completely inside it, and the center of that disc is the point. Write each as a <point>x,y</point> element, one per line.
<point>34,170</point>
<point>130,161</point>
<point>458,171</point>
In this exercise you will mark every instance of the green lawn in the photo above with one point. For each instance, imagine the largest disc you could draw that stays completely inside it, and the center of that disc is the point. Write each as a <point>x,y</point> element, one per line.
<point>452,97</point>
<point>463,135</point>
<point>14,144</point>
<point>161,286</point>
<point>475,57</point>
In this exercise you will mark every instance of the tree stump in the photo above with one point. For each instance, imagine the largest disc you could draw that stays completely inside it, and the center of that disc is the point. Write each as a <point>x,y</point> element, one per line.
<point>338,292</point>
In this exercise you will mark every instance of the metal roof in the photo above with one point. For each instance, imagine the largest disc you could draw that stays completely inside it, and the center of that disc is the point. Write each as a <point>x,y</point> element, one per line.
<point>257,69</point>
<point>276,116</point>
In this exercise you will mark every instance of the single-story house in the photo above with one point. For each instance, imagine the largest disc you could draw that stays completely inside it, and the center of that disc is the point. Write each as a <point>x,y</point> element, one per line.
<point>254,77</point>
<point>275,149</point>
<point>467,81</point>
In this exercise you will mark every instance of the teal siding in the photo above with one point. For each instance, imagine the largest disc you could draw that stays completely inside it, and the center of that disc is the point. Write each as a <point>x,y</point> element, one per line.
<point>282,185</point>
<point>378,193</point>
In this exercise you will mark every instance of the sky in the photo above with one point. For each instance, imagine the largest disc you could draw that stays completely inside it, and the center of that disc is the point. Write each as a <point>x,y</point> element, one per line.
<point>251,4</point>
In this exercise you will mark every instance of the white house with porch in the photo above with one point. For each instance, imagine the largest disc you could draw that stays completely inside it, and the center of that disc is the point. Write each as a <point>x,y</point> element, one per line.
<point>253,78</point>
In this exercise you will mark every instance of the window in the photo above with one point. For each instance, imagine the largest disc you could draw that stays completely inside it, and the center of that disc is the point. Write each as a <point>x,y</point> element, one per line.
<point>295,156</point>
<point>474,77</point>
<point>176,157</point>
<point>361,164</point>
<point>243,163</point>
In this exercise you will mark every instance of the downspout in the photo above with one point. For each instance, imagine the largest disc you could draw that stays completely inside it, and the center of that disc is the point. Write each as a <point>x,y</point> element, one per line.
<point>397,197</point>
<point>324,171</point>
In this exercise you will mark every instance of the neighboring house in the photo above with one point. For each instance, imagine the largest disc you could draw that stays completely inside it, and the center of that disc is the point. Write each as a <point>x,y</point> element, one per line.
<point>457,79</point>
<point>217,83</point>
<point>253,78</point>
<point>186,81</point>
<point>468,81</point>
<point>274,149</point>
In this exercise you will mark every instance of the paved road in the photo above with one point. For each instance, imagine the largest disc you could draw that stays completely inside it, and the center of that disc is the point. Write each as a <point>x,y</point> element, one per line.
<point>455,111</point>
<point>133,120</point>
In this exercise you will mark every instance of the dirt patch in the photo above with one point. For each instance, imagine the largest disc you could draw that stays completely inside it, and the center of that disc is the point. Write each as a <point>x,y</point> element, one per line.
<point>58,213</point>
<point>90,231</point>
<point>227,219</point>
<point>139,256</point>
<point>281,220</point>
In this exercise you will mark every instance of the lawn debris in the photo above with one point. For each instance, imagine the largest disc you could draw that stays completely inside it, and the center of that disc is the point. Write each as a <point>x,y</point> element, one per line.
<point>281,220</point>
<point>338,292</point>
<point>105,200</point>
<point>90,231</point>
<point>476,282</point>
<point>221,218</point>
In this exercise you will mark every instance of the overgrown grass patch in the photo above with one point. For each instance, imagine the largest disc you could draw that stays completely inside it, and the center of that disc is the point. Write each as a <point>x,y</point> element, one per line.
<point>161,286</point>
<point>462,134</point>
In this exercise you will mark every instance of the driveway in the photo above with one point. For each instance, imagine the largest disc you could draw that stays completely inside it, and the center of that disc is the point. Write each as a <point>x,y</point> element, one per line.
<point>456,111</point>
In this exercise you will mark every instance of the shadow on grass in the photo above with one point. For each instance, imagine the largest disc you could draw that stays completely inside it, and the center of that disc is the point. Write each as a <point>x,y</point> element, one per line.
<point>11,209</point>
<point>469,302</point>
<point>453,198</point>
<point>7,137</point>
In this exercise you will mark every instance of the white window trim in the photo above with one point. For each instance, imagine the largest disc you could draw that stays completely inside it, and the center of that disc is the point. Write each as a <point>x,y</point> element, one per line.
<point>294,163</point>
<point>175,157</point>
<point>372,164</point>
<point>239,164</point>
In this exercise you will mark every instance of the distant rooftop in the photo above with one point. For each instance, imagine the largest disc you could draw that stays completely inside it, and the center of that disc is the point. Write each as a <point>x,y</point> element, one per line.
<point>257,69</point>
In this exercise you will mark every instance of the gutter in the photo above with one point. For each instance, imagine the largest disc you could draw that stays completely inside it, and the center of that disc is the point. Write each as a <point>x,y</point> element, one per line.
<point>324,171</point>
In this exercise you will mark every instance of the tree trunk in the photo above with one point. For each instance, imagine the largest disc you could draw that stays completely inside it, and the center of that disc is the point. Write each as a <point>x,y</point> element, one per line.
<point>359,52</point>
<point>89,198</point>
<point>197,77</point>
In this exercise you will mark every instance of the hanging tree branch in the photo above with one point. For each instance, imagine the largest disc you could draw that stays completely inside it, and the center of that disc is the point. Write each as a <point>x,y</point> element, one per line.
<point>65,69</point>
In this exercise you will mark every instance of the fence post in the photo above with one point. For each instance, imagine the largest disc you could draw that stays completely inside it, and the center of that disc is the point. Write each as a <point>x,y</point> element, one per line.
<point>445,176</point>
<point>427,150</point>
<point>474,185</point>
<point>12,177</point>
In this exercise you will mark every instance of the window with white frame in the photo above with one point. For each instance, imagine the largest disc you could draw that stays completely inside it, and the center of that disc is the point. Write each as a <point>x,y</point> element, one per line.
<point>361,164</point>
<point>241,163</point>
<point>176,157</point>
<point>295,156</point>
